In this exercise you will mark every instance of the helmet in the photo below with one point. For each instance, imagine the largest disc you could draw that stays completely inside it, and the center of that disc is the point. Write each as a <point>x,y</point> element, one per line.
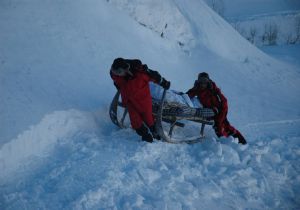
<point>203,75</point>
<point>120,67</point>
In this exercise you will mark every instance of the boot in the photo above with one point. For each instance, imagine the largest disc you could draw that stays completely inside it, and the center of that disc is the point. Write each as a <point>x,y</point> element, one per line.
<point>242,140</point>
<point>148,138</point>
<point>240,137</point>
<point>154,133</point>
<point>143,132</point>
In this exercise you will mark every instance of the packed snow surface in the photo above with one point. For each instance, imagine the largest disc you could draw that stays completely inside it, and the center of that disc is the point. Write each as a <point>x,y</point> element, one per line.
<point>91,165</point>
<point>59,149</point>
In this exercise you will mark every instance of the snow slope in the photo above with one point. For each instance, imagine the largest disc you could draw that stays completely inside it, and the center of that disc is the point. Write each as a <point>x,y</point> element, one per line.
<point>288,54</point>
<point>59,149</point>
<point>53,59</point>
<point>192,28</point>
<point>67,61</point>
<point>270,29</point>
<point>218,40</point>
<point>256,19</point>
<point>246,8</point>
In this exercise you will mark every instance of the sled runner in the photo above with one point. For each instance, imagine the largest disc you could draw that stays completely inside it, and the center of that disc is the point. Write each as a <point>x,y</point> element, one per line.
<point>168,115</point>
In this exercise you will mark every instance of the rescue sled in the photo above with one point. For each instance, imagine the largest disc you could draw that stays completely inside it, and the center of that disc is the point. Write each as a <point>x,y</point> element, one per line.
<point>168,115</point>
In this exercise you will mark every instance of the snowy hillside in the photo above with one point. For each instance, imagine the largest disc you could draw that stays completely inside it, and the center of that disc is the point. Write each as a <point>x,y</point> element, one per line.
<point>271,29</point>
<point>246,8</point>
<point>189,29</point>
<point>267,22</point>
<point>59,149</point>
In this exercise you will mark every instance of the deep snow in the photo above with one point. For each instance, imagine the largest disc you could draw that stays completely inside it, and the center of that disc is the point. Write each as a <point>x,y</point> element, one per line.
<point>59,149</point>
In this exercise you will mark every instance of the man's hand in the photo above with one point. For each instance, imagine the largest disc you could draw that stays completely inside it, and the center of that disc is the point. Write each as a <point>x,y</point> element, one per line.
<point>216,110</point>
<point>145,67</point>
<point>165,84</point>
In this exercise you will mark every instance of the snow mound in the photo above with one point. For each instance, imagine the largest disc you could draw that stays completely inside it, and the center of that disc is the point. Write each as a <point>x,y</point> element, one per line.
<point>41,139</point>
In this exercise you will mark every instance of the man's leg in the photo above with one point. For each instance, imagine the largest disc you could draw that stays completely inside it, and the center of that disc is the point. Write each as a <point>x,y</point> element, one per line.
<point>232,131</point>
<point>144,133</point>
<point>219,130</point>
<point>149,120</point>
<point>137,124</point>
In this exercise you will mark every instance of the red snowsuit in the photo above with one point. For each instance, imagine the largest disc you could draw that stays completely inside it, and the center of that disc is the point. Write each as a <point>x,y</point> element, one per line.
<point>211,97</point>
<point>135,93</point>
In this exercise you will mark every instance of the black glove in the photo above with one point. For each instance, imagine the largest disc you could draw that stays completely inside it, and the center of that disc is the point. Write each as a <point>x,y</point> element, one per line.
<point>145,67</point>
<point>216,110</point>
<point>165,84</point>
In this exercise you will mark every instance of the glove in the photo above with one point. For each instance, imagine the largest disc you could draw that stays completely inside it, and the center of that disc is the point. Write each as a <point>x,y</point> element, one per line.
<point>165,84</point>
<point>145,67</point>
<point>216,111</point>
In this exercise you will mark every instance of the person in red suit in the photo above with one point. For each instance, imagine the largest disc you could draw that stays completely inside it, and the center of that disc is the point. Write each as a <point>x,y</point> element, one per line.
<point>132,78</point>
<point>210,96</point>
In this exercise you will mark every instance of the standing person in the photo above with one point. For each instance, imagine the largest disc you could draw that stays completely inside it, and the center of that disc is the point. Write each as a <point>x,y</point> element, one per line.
<point>210,96</point>
<point>132,78</point>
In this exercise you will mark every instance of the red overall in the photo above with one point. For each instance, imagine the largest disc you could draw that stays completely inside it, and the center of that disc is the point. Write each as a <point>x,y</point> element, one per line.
<point>211,97</point>
<point>135,93</point>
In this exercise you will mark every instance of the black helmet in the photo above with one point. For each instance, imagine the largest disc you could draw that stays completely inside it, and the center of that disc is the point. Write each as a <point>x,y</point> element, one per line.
<point>203,75</point>
<point>120,67</point>
<point>203,78</point>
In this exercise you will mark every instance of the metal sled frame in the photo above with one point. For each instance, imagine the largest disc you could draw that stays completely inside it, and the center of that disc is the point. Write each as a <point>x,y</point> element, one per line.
<point>160,117</point>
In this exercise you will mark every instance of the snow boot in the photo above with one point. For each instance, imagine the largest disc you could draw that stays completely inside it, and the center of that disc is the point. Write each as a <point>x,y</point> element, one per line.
<point>240,137</point>
<point>154,132</point>
<point>242,140</point>
<point>144,133</point>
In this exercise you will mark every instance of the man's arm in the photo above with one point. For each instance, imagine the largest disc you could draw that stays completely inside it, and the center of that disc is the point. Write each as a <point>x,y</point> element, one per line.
<point>223,109</point>
<point>193,91</point>
<point>156,77</point>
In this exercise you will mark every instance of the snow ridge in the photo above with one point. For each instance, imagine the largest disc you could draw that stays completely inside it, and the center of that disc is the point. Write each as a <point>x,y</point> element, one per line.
<point>41,139</point>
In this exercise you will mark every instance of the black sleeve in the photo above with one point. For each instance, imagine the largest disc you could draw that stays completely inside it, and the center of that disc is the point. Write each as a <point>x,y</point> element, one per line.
<point>192,92</point>
<point>154,75</point>
<point>137,64</point>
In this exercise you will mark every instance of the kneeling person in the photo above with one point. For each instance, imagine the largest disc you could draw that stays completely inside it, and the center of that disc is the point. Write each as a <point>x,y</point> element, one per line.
<point>210,96</point>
